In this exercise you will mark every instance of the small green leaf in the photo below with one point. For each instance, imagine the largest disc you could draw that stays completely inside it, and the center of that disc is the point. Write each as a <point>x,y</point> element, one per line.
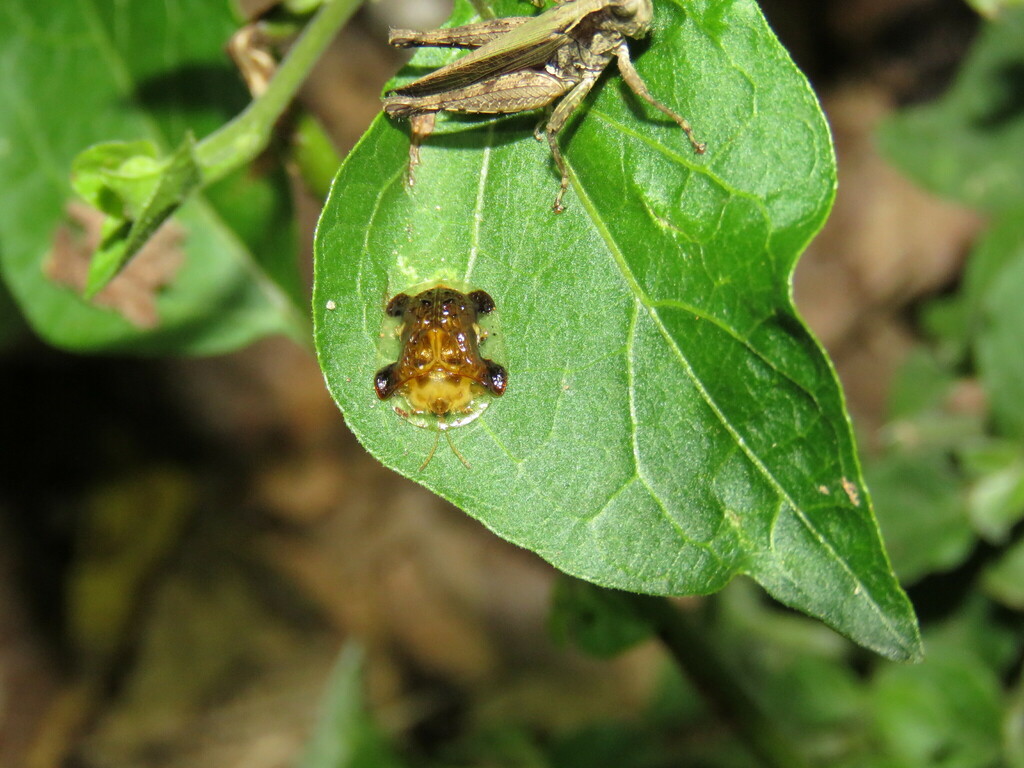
<point>1003,581</point>
<point>822,698</point>
<point>117,177</point>
<point>996,496</point>
<point>178,177</point>
<point>967,145</point>
<point>344,736</point>
<point>946,709</point>
<point>921,418</point>
<point>599,621</point>
<point>979,630</point>
<point>922,510</point>
<point>994,295</point>
<point>669,422</point>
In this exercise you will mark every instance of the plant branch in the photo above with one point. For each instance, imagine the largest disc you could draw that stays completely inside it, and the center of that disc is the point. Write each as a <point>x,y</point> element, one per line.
<point>711,674</point>
<point>244,138</point>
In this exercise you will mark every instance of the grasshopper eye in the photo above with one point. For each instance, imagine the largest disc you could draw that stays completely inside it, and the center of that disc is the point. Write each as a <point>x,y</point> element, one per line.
<point>627,9</point>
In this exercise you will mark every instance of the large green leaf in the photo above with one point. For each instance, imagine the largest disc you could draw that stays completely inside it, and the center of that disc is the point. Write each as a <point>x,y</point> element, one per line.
<point>80,72</point>
<point>669,421</point>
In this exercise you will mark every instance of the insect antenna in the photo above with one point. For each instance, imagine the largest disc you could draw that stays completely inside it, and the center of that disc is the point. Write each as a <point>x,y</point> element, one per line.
<point>455,451</point>
<point>437,438</point>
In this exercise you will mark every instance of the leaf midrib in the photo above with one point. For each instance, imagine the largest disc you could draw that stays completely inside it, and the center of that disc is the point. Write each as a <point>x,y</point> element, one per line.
<point>642,299</point>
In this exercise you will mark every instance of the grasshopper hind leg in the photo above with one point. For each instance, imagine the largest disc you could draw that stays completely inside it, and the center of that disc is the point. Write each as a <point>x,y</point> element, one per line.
<point>466,36</point>
<point>637,85</point>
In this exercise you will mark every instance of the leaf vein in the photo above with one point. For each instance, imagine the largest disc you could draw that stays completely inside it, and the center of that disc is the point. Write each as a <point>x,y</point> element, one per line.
<point>735,335</point>
<point>680,158</point>
<point>619,257</point>
<point>606,505</point>
<point>478,208</point>
<point>634,437</point>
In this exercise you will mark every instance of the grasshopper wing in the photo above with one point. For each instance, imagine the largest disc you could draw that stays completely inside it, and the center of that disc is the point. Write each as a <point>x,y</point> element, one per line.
<point>531,44</point>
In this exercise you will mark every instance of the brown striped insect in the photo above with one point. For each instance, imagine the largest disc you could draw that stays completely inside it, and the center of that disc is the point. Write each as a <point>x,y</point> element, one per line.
<point>524,63</point>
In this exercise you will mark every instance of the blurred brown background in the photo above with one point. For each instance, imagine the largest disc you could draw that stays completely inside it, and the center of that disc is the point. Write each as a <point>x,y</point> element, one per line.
<point>270,536</point>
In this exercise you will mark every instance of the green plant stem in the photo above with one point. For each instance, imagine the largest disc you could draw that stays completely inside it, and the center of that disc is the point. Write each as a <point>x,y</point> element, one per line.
<point>1013,726</point>
<point>244,138</point>
<point>314,155</point>
<point>717,682</point>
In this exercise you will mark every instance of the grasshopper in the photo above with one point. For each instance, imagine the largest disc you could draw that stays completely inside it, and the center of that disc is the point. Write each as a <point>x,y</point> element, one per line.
<point>523,63</point>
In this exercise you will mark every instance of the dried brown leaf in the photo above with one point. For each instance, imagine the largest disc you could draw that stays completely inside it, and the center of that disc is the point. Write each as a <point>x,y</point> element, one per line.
<point>134,291</point>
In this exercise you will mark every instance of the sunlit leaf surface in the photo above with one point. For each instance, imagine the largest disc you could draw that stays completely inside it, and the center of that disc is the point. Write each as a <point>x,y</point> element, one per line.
<point>669,422</point>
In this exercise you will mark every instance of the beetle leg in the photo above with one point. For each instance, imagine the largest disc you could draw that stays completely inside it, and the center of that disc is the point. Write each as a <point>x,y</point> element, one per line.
<point>386,381</point>
<point>495,379</point>
<point>482,302</point>
<point>633,80</point>
<point>562,113</point>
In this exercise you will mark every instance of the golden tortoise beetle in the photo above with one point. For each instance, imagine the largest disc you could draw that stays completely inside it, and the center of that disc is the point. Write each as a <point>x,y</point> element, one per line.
<point>440,374</point>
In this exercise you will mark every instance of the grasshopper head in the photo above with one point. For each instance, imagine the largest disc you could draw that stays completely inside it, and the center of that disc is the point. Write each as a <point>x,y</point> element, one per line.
<point>634,16</point>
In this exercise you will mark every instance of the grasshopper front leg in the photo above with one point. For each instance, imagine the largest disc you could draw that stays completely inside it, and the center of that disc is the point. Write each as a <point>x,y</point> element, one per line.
<point>562,113</point>
<point>520,91</point>
<point>420,127</point>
